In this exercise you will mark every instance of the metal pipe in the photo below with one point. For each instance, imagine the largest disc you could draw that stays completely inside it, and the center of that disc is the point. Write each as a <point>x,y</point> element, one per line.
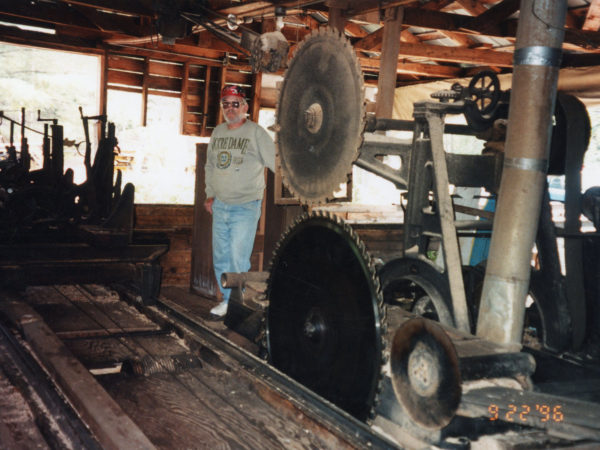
<point>239,280</point>
<point>540,34</point>
<point>382,170</point>
<point>381,124</point>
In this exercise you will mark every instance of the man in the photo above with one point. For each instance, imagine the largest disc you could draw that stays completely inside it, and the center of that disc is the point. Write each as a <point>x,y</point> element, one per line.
<point>238,152</point>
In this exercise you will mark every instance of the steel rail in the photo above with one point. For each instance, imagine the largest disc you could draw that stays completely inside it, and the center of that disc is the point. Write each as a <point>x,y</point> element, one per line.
<point>333,418</point>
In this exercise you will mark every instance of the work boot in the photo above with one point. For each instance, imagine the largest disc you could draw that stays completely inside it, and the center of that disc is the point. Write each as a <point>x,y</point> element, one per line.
<point>220,310</point>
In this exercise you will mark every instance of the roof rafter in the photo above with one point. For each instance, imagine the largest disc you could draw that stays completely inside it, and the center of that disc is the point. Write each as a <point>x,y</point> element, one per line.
<point>457,54</point>
<point>131,7</point>
<point>592,18</point>
<point>473,7</point>
<point>428,70</point>
<point>495,15</point>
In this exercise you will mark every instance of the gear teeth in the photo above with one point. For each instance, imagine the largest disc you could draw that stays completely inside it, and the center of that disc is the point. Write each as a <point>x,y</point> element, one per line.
<point>381,324</point>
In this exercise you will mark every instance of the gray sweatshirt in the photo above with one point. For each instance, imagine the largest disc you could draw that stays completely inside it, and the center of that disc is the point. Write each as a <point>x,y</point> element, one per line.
<point>235,163</point>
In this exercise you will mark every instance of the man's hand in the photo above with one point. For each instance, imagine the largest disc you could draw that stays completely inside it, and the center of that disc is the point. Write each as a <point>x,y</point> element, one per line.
<point>208,204</point>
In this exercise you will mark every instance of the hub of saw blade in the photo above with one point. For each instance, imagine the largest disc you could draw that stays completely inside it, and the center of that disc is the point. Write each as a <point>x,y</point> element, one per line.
<point>325,316</point>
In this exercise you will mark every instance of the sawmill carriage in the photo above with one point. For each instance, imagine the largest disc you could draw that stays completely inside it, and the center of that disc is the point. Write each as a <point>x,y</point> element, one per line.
<point>53,229</point>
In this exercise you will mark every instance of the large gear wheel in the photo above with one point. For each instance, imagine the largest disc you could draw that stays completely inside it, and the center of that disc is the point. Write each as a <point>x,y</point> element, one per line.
<point>320,116</point>
<point>326,318</point>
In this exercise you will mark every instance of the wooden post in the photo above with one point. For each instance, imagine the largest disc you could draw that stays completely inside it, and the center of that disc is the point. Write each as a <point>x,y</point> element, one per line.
<point>389,62</point>
<point>203,280</point>
<point>185,80</point>
<point>145,92</point>
<point>337,19</point>
<point>205,99</point>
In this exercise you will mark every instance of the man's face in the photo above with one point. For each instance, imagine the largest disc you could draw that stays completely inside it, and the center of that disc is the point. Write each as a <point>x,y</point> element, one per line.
<point>232,114</point>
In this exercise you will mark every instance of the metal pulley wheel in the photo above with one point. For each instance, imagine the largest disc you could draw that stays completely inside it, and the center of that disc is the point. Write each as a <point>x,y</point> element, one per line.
<point>326,317</point>
<point>425,373</point>
<point>320,116</point>
<point>572,124</point>
<point>417,286</point>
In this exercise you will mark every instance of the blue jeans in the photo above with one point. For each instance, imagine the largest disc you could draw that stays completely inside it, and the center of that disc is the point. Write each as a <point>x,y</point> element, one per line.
<point>233,232</point>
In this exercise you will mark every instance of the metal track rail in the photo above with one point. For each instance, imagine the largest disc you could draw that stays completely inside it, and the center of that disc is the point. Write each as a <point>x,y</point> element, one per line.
<point>58,422</point>
<point>336,420</point>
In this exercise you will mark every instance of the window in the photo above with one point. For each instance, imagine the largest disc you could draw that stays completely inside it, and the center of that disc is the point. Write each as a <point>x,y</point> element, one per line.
<point>157,159</point>
<point>56,83</point>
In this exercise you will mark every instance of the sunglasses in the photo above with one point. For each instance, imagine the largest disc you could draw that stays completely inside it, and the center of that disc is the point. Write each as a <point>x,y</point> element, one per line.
<point>226,105</point>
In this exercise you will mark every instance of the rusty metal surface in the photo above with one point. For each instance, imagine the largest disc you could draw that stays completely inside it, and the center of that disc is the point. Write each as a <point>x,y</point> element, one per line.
<point>425,373</point>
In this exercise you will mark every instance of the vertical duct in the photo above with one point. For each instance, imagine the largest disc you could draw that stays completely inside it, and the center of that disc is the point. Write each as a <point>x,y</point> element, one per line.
<point>540,34</point>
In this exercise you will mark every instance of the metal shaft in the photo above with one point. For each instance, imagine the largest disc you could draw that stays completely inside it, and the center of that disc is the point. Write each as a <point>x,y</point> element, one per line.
<point>540,35</point>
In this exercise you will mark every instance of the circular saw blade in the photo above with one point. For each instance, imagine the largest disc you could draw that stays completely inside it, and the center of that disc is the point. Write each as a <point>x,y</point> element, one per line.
<point>320,116</point>
<point>326,318</point>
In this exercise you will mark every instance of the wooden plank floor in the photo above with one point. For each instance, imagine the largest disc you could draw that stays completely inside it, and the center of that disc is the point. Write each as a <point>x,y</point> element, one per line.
<point>213,405</point>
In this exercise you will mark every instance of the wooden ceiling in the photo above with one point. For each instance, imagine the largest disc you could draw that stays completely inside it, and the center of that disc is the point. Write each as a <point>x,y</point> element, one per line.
<point>439,39</point>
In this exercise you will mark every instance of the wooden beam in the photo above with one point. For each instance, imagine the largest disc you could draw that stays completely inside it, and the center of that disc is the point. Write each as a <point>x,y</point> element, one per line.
<point>205,98</point>
<point>355,30</point>
<point>62,15</point>
<point>371,42</point>
<point>222,83</point>
<point>461,39</point>
<point>426,70</point>
<point>436,20</point>
<point>112,22</point>
<point>130,7</point>
<point>337,21</point>
<point>181,55</point>
<point>103,84</point>
<point>389,63</point>
<point>473,7</point>
<point>110,425</point>
<point>184,97</point>
<point>572,20</point>
<point>494,16</point>
<point>436,6</point>
<point>592,18</point>
<point>145,80</point>
<point>407,36</point>
<point>362,6</point>
<point>30,38</point>
<point>456,54</point>
<point>583,38</point>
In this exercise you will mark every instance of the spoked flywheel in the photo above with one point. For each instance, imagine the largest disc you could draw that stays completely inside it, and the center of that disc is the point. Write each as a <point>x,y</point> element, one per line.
<point>320,116</point>
<point>417,286</point>
<point>326,319</point>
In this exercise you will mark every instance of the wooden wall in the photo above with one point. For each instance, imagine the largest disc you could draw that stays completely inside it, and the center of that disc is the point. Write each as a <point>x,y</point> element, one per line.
<point>176,222</point>
<point>197,85</point>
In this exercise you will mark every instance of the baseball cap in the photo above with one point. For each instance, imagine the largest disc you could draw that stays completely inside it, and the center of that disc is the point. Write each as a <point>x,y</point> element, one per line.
<point>233,90</point>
